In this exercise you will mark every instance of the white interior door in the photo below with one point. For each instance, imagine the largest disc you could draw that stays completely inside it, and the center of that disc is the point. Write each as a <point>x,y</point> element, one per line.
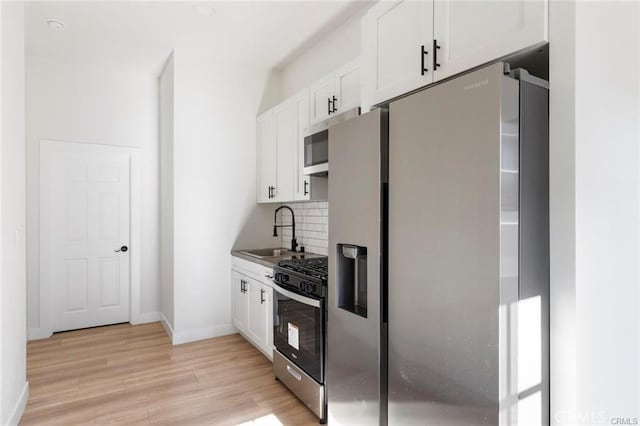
<point>85,225</point>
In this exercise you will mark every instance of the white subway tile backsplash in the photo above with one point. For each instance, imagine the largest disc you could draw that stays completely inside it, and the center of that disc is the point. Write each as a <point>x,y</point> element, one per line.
<point>312,226</point>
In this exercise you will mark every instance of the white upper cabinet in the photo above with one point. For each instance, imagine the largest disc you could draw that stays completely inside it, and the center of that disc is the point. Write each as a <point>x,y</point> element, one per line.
<point>280,150</point>
<point>409,44</point>
<point>397,45</point>
<point>285,124</point>
<point>472,33</point>
<point>336,92</point>
<point>301,183</point>
<point>266,150</point>
<point>346,87</point>
<point>321,93</point>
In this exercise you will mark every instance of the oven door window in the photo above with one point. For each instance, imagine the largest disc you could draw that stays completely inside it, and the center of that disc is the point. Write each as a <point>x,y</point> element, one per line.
<point>298,333</point>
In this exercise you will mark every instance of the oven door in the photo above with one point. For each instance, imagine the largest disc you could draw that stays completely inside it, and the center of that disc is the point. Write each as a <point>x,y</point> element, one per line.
<point>298,330</point>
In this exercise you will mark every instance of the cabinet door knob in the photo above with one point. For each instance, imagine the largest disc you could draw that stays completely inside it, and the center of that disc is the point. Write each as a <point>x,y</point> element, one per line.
<point>435,55</point>
<point>329,106</point>
<point>306,184</point>
<point>422,54</point>
<point>262,299</point>
<point>334,109</point>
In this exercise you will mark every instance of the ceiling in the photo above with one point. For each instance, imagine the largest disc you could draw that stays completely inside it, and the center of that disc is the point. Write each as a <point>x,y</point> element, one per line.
<point>141,35</point>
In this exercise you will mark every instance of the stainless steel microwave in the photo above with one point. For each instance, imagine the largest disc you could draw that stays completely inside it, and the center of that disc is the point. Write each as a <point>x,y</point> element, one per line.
<point>316,144</point>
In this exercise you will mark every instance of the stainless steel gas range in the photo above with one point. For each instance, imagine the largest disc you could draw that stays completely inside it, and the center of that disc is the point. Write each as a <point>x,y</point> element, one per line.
<point>299,329</point>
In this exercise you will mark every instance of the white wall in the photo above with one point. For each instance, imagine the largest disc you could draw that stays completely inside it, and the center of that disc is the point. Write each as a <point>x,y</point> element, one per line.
<point>166,192</point>
<point>13,386</point>
<point>339,46</point>
<point>214,189</point>
<point>595,212</point>
<point>562,209</point>
<point>608,209</point>
<point>82,103</point>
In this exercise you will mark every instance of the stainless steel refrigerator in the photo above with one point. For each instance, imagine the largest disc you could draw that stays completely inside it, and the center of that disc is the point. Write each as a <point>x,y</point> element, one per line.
<point>439,257</point>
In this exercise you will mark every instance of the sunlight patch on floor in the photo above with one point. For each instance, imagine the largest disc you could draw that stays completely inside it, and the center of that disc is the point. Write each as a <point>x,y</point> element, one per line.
<point>268,420</point>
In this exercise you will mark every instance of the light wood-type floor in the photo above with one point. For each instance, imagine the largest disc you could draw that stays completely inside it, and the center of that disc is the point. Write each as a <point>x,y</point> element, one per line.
<point>133,375</point>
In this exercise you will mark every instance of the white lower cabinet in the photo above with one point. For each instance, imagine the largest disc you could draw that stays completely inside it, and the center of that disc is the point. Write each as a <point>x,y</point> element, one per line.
<point>252,310</point>
<point>240,300</point>
<point>260,316</point>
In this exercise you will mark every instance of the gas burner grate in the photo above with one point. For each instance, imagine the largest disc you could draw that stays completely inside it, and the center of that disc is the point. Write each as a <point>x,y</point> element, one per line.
<point>316,267</point>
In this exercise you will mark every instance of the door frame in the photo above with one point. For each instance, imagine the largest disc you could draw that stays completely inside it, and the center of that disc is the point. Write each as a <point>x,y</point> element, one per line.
<point>47,148</point>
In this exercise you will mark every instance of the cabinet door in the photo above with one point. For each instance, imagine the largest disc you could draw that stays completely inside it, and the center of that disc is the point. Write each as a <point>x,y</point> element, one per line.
<point>346,86</point>
<point>397,44</point>
<point>240,283</point>
<point>284,121</point>
<point>257,329</point>
<point>472,33</point>
<point>321,93</point>
<point>269,318</point>
<point>301,183</point>
<point>266,150</point>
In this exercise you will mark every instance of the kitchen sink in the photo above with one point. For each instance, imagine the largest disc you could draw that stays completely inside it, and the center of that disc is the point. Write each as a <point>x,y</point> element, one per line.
<point>271,252</point>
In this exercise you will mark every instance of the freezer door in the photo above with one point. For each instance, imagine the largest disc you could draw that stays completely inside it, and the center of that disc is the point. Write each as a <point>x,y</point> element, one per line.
<point>453,261</point>
<point>354,330</point>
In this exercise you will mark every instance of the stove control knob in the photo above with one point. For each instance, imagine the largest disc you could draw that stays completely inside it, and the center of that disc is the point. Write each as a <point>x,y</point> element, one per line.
<point>311,288</point>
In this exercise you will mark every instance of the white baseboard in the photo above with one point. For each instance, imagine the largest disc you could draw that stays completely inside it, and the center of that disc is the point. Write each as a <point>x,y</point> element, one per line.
<point>21,404</point>
<point>193,335</point>
<point>146,317</point>
<point>167,326</point>
<point>36,333</point>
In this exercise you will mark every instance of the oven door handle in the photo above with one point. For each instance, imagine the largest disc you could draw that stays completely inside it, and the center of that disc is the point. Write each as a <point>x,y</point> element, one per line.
<point>297,297</point>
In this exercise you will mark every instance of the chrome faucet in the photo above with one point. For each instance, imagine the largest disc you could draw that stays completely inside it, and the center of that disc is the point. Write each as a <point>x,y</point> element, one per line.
<point>294,242</point>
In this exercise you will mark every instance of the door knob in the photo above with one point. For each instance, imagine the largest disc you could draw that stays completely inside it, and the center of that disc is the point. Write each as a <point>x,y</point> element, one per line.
<point>122,249</point>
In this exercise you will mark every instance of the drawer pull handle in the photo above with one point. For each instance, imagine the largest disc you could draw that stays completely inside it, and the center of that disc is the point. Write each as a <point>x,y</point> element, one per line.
<point>294,373</point>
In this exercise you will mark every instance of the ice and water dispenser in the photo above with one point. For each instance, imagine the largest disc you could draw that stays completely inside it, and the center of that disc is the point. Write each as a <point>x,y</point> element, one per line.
<point>352,279</point>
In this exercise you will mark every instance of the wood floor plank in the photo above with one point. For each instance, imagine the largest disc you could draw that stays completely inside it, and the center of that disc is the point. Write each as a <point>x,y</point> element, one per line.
<point>132,375</point>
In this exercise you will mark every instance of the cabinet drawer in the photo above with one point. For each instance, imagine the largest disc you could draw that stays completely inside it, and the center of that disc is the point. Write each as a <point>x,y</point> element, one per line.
<point>253,270</point>
<point>306,389</point>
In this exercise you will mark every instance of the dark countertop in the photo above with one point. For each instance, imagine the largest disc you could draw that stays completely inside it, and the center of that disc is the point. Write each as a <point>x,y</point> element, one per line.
<point>272,261</point>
